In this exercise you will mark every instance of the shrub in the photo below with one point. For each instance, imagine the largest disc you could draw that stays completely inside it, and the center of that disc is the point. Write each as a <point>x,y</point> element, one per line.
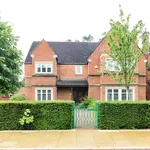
<point>18,97</point>
<point>26,119</point>
<point>47,115</point>
<point>124,115</point>
<point>87,102</point>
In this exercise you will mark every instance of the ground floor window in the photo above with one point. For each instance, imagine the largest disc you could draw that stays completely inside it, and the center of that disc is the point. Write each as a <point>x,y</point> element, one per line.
<point>43,94</point>
<point>117,94</point>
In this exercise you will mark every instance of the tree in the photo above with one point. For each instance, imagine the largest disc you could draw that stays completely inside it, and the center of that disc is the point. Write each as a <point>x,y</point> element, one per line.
<point>124,49</point>
<point>10,61</point>
<point>88,38</point>
<point>77,41</point>
<point>69,40</point>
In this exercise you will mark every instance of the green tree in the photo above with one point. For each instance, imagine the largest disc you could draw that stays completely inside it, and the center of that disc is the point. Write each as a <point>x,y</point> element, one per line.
<point>10,61</point>
<point>124,48</point>
<point>88,38</point>
<point>69,40</point>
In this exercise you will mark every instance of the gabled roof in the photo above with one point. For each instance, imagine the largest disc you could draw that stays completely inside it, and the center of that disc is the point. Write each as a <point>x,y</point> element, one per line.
<point>68,52</point>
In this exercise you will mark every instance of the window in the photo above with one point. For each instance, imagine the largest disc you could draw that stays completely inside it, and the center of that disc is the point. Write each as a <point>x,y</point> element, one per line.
<point>117,94</point>
<point>109,94</point>
<point>78,69</point>
<point>111,65</point>
<point>131,94</point>
<point>43,94</point>
<point>124,94</point>
<point>43,68</point>
<point>116,97</point>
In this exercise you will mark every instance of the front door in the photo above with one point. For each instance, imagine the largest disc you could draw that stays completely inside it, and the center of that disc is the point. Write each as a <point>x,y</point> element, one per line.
<point>78,93</point>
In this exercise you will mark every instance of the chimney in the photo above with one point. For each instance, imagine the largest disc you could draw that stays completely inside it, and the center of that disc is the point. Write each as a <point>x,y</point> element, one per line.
<point>147,33</point>
<point>147,36</point>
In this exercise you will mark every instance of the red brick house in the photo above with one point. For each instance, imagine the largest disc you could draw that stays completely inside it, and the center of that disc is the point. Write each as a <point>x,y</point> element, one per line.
<point>71,70</point>
<point>148,78</point>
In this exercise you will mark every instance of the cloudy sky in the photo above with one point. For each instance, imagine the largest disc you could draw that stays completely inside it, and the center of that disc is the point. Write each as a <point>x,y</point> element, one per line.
<point>59,20</point>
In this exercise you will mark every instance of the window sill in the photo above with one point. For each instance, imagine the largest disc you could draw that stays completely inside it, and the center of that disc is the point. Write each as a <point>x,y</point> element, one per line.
<point>43,75</point>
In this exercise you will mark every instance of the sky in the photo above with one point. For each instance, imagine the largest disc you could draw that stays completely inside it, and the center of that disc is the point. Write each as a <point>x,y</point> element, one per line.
<point>59,20</point>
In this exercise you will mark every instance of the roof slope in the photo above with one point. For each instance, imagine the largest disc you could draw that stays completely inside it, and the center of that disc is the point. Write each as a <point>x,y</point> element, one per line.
<point>68,52</point>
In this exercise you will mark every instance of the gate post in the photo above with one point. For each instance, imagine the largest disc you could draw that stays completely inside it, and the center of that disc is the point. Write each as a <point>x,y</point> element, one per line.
<point>73,115</point>
<point>97,117</point>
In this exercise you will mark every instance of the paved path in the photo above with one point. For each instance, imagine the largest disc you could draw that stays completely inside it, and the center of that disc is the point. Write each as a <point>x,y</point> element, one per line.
<point>76,139</point>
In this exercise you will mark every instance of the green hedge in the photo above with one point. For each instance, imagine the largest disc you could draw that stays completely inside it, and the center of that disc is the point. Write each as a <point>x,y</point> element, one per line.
<point>47,115</point>
<point>124,115</point>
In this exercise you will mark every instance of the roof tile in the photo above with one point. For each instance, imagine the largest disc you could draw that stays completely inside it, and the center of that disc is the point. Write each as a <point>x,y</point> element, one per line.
<point>68,52</point>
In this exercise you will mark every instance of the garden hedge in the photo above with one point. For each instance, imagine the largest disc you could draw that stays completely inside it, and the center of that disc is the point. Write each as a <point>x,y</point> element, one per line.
<point>124,115</point>
<point>47,115</point>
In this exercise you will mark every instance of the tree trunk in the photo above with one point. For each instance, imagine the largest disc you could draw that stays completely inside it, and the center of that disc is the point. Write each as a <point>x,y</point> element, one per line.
<point>128,93</point>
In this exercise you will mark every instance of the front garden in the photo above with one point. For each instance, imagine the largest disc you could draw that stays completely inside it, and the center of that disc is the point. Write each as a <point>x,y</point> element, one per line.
<point>60,115</point>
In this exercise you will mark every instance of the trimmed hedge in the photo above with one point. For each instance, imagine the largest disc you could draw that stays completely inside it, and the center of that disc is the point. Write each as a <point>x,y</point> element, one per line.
<point>47,115</point>
<point>124,115</point>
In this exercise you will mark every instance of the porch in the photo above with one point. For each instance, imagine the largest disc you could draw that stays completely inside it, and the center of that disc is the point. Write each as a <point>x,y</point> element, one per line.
<point>72,89</point>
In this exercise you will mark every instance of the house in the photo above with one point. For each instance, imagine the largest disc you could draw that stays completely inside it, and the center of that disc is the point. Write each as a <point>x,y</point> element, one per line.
<point>148,77</point>
<point>71,70</point>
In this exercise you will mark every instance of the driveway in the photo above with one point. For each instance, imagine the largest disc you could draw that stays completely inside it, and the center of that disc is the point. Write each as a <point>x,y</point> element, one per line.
<point>75,139</point>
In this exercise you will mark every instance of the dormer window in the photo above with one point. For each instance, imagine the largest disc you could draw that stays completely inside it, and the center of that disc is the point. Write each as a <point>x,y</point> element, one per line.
<point>45,67</point>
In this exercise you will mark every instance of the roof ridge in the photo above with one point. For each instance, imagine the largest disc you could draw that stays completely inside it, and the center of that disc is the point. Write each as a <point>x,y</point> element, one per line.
<point>70,41</point>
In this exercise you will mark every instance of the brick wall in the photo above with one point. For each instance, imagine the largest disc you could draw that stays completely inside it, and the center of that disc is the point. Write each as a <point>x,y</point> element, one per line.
<point>4,98</point>
<point>68,71</point>
<point>64,93</point>
<point>94,92</point>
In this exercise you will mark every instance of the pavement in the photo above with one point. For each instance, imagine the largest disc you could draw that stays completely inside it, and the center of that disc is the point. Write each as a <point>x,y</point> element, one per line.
<point>75,139</point>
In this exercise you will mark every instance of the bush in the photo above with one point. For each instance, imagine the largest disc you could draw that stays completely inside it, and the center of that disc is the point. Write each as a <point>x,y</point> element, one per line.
<point>87,102</point>
<point>18,97</point>
<point>47,115</point>
<point>26,119</point>
<point>124,115</point>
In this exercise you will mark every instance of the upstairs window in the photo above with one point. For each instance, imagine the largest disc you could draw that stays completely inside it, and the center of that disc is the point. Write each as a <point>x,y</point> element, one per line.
<point>78,69</point>
<point>111,65</point>
<point>43,68</point>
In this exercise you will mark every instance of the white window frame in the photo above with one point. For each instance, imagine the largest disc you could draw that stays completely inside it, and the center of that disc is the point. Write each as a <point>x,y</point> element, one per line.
<point>81,69</point>
<point>43,63</point>
<point>36,89</point>
<point>113,68</point>
<point>119,93</point>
